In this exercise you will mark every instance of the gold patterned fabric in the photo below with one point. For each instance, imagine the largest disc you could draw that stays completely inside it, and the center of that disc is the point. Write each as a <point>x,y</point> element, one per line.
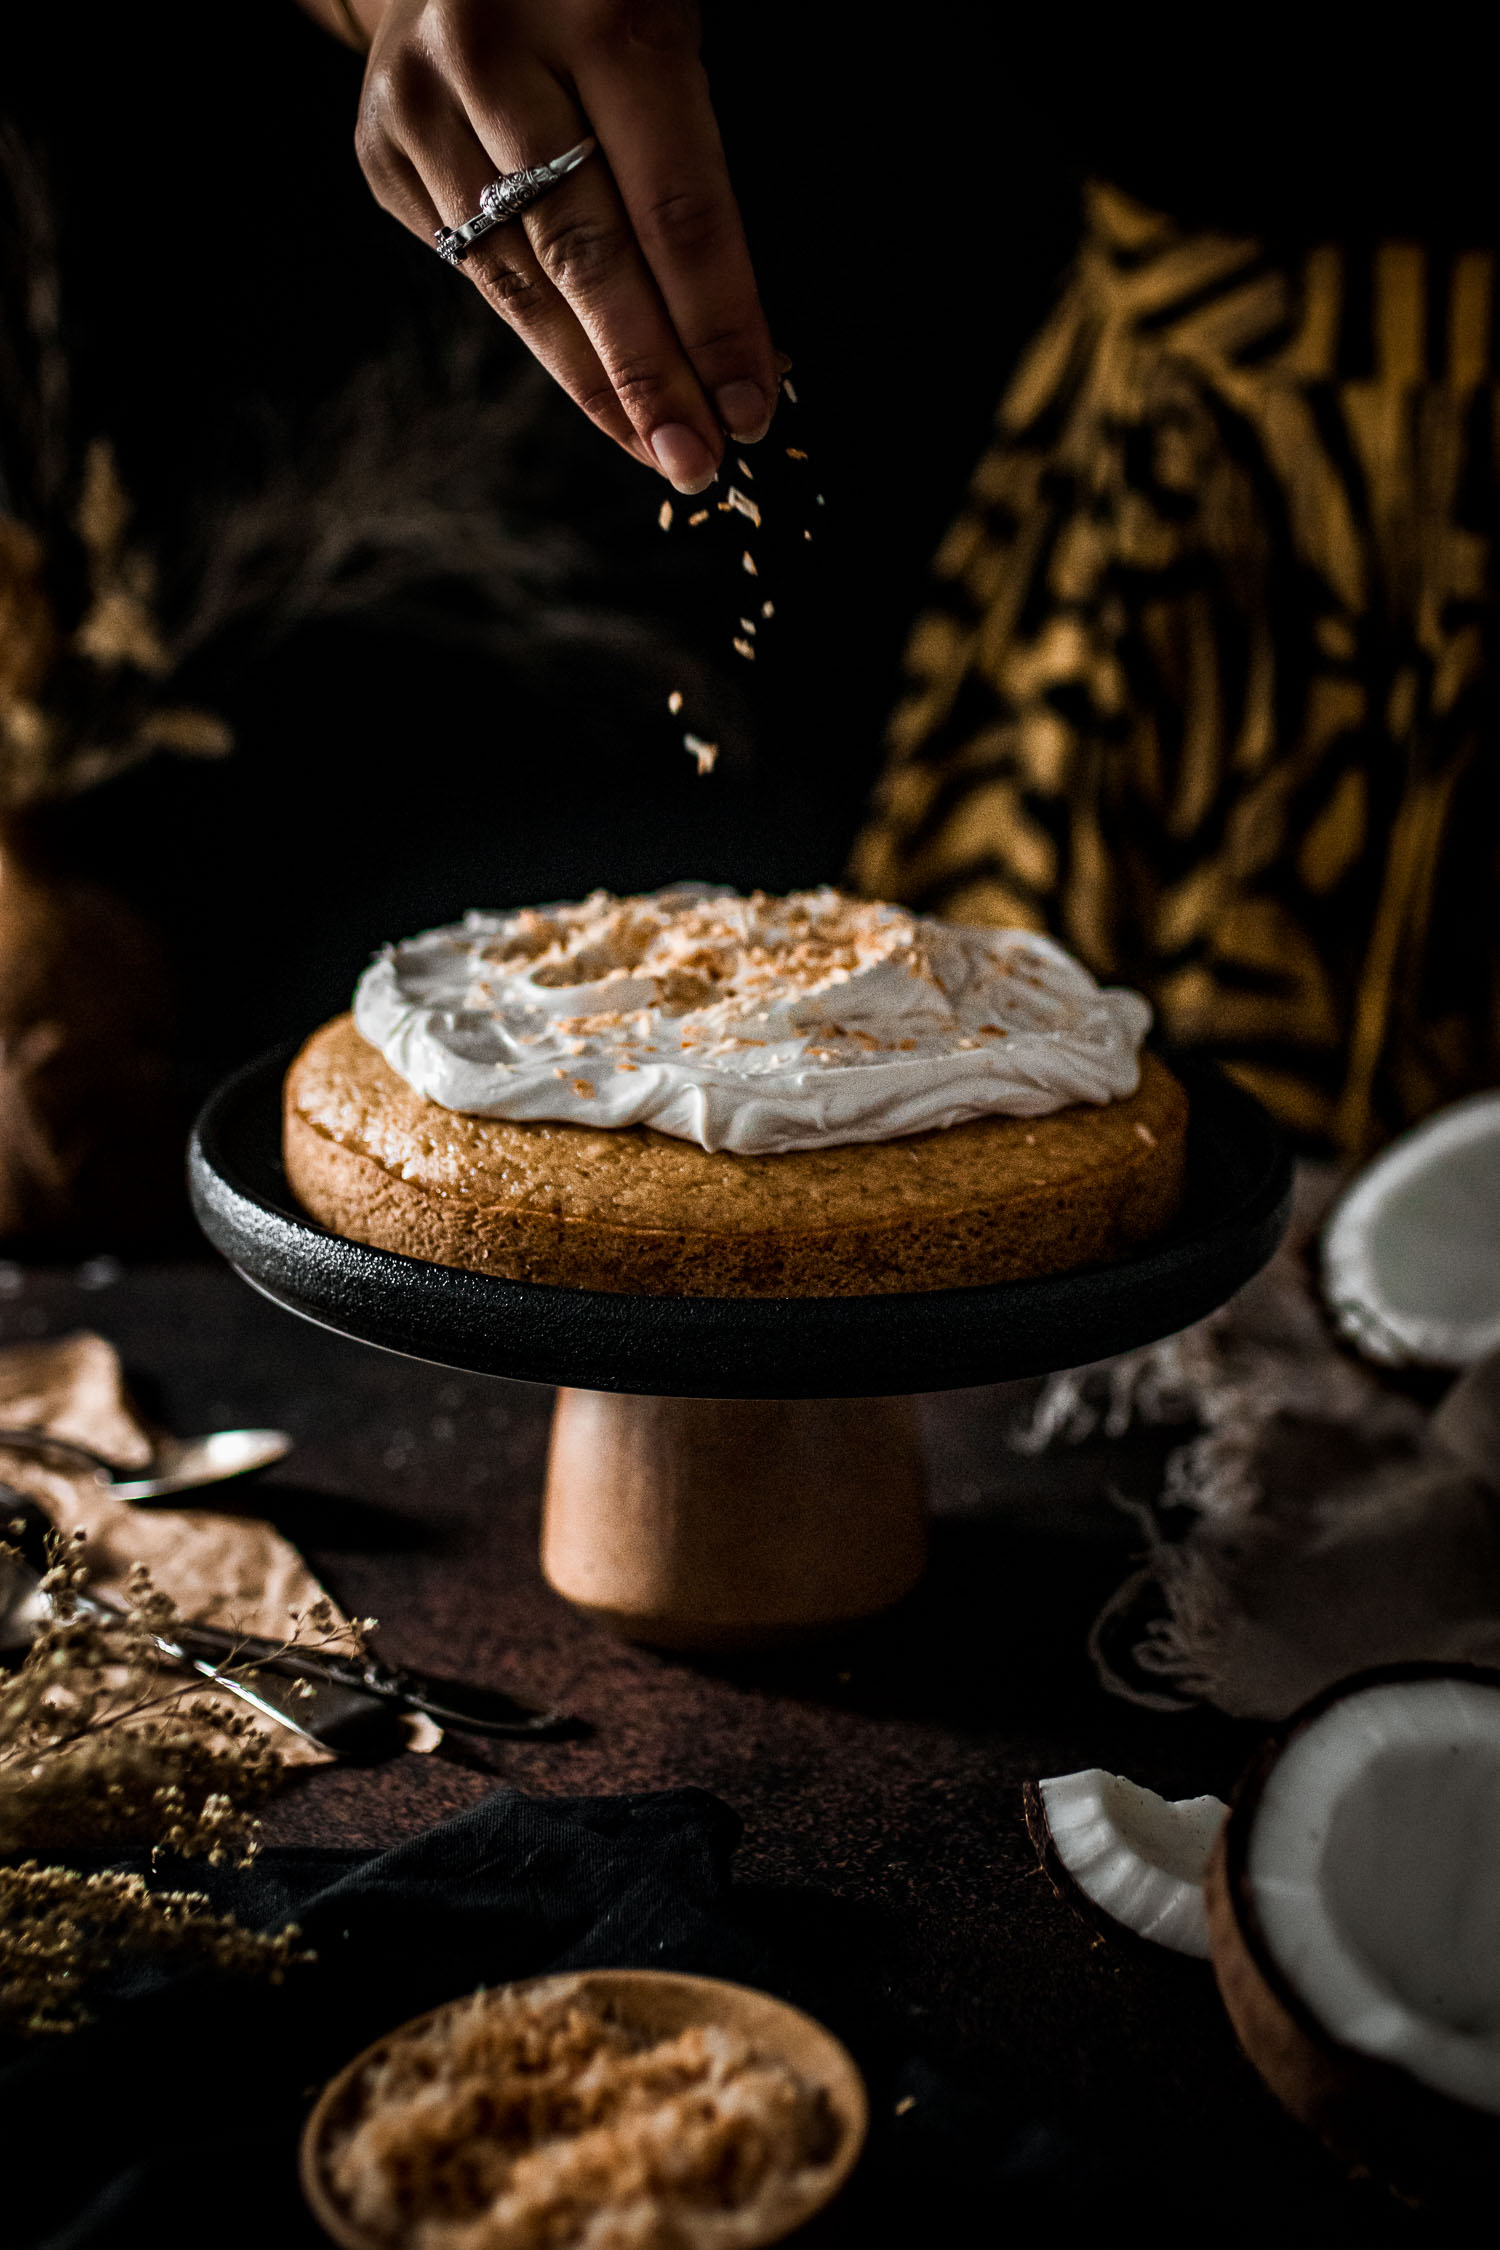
<point>1208,683</point>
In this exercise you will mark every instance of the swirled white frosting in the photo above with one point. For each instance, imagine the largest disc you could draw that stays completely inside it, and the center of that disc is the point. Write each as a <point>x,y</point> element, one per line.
<point>752,1024</point>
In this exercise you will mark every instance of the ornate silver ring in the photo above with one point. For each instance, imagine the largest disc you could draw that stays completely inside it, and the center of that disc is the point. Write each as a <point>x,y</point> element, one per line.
<point>506,198</point>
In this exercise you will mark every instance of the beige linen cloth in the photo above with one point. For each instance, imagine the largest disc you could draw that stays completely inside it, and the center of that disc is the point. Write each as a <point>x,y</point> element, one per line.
<point>1316,1521</point>
<point>229,1570</point>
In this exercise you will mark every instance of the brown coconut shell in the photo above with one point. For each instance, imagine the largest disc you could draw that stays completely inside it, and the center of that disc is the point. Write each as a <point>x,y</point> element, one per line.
<point>1050,1861</point>
<point>90,1138</point>
<point>1374,2116</point>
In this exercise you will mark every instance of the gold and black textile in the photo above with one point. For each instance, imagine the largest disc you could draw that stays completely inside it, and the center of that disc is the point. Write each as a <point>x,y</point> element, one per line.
<point>1208,684</point>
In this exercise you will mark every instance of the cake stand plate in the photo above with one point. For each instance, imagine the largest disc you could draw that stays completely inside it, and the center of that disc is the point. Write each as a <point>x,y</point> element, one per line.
<point>691,1498</point>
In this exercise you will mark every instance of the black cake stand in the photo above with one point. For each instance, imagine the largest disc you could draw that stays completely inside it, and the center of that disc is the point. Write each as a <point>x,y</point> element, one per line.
<point>727,1471</point>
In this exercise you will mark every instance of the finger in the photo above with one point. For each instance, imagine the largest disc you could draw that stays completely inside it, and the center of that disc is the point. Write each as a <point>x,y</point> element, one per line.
<point>650,109</point>
<point>437,179</point>
<point>583,243</point>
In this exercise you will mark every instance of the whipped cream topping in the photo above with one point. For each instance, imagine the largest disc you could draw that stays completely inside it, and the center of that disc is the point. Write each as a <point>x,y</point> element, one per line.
<point>756,1024</point>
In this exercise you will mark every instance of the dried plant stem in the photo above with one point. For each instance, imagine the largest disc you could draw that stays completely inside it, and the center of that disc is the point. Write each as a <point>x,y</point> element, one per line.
<point>96,1747</point>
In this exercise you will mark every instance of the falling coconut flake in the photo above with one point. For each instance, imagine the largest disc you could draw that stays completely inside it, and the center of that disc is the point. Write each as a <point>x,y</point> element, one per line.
<point>664,515</point>
<point>674,701</point>
<point>1136,1857</point>
<point>1411,1255</point>
<point>704,752</point>
<point>747,562</point>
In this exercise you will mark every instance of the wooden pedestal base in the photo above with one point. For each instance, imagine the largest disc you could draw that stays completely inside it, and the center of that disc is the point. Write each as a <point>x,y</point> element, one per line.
<point>732,1523</point>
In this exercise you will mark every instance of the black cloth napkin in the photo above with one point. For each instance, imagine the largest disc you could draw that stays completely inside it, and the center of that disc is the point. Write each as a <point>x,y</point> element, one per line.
<point>175,2116</point>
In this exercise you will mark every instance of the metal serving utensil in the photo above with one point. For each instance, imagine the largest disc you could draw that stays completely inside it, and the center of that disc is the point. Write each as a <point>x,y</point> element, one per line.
<point>458,1704</point>
<point>178,1464</point>
<point>354,1725</point>
<point>363,1682</point>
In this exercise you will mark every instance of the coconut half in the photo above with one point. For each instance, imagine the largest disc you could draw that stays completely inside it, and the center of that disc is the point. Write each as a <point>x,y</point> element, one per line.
<point>1354,1904</point>
<point>1135,1858</point>
<point>1411,1254</point>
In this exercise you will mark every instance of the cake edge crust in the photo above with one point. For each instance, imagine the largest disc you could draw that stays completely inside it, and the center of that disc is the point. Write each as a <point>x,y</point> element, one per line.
<point>1041,1230</point>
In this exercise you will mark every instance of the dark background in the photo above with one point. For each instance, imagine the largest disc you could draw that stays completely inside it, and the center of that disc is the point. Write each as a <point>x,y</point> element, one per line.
<point>912,195</point>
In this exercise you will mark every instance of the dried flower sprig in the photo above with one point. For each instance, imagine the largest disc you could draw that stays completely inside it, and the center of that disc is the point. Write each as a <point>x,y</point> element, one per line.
<point>62,1933</point>
<point>84,664</point>
<point>101,1742</point>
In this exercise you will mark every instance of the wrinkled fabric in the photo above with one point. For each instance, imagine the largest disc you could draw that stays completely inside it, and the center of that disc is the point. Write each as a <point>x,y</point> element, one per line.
<point>1317,1522</point>
<point>182,2105</point>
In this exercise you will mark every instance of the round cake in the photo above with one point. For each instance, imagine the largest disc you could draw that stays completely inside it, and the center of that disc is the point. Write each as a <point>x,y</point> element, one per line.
<point>811,1096</point>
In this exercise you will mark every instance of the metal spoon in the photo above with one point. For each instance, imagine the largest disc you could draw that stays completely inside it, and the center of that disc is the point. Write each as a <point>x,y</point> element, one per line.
<point>178,1465</point>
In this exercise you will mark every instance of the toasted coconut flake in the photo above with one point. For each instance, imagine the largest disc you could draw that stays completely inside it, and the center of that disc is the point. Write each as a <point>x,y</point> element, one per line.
<point>674,701</point>
<point>701,516</point>
<point>743,648</point>
<point>747,562</point>
<point>706,753</point>
<point>768,609</point>
<point>664,515</point>
<point>790,388</point>
<point>531,2117</point>
<point>795,453</point>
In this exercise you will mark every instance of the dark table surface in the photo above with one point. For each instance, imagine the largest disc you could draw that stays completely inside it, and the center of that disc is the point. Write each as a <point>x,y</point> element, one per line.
<point>885,1771</point>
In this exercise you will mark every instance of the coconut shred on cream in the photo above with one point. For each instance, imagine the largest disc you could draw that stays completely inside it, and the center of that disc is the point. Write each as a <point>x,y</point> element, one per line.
<point>753,1024</point>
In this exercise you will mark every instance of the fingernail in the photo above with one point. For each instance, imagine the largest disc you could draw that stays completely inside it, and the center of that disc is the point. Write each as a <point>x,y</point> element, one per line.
<point>682,455</point>
<point>743,411</point>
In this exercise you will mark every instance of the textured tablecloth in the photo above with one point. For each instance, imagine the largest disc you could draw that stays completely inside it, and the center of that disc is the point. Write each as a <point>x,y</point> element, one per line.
<point>885,1773</point>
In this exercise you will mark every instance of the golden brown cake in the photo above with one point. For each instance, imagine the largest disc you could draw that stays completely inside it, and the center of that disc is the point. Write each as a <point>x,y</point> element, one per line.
<point>636,1210</point>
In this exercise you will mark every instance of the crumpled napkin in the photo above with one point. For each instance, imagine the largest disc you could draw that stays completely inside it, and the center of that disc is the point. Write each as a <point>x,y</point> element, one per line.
<point>1318,1520</point>
<point>229,1570</point>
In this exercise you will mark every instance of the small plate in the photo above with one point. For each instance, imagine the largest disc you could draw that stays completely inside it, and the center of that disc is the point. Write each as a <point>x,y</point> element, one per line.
<point>660,2002</point>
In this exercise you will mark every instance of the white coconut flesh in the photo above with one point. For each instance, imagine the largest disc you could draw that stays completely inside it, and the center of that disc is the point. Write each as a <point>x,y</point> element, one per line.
<point>1411,1256</point>
<point>1373,1865</point>
<point>1134,1855</point>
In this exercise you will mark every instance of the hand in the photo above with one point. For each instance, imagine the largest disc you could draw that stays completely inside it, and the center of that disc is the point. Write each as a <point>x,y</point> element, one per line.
<point>631,281</point>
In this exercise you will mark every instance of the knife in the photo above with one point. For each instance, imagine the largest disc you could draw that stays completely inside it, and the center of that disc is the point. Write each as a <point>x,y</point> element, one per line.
<point>356,1727</point>
<point>393,1688</point>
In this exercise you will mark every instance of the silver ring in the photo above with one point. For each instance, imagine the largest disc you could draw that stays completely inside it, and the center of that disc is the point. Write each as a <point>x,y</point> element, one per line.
<point>506,198</point>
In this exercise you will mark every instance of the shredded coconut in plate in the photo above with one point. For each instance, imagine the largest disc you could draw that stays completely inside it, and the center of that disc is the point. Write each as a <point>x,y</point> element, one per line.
<point>537,2120</point>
